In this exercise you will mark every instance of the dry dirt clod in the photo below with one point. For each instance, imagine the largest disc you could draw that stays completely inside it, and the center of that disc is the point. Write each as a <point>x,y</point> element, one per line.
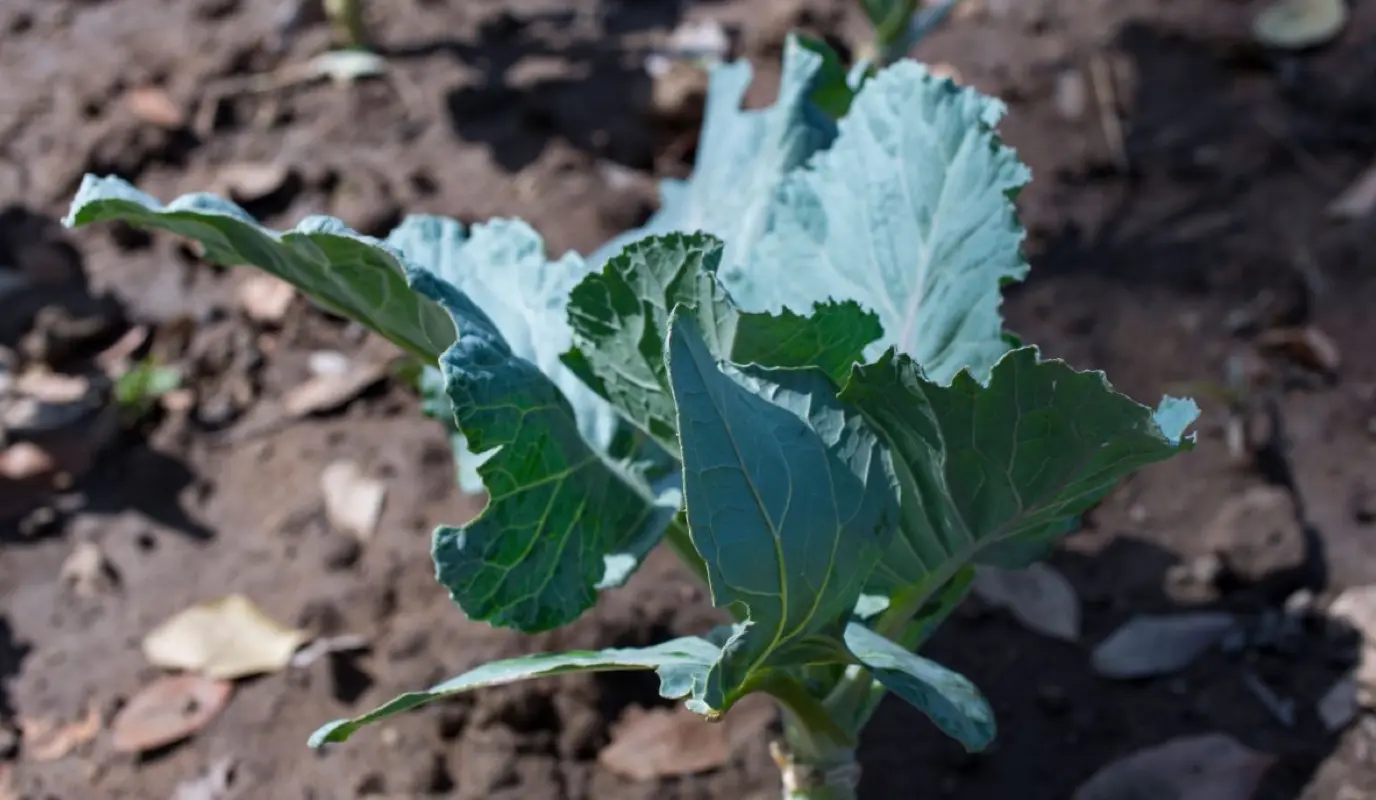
<point>156,107</point>
<point>265,298</point>
<point>1151,645</point>
<point>167,711</point>
<point>655,743</point>
<point>87,572</point>
<point>1213,766</point>
<point>1039,597</point>
<point>353,501</point>
<point>1339,705</point>
<point>214,784</point>
<point>1257,535</point>
<point>247,182</point>
<point>227,638</point>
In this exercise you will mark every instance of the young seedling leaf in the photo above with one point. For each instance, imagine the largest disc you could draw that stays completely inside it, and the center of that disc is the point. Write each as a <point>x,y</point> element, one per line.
<point>501,266</point>
<point>559,513</point>
<point>620,317</point>
<point>743,155</point>
<point>948,698</point>
<point>351,274</point>
<point>682,665</point>
<point>790,499</point>
<point>908,213</point>
<point>984,465</point>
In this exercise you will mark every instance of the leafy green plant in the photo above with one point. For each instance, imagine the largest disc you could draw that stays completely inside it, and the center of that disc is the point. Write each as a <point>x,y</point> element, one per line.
<point>142,385</point>
<point>795,375</point>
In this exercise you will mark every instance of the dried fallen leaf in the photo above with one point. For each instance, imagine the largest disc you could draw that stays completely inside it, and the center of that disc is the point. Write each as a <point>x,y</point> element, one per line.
<point>1150,645</point>
<point>87,571</point>
<point>1299,24</point>
<point>1358,199</point>
<point>226,638</point>
<point>328,392</point>
<point>654,743</point>
<point>45,740</point>
<point>353,501</point>
<point>213,785</point>
<point>1039,597</point>
<point>1209,767</point>
<point>265,298</point>
<point>167,711</point>
<point>154,106</point>
<point>318,649</point>
<point>1307,346</point>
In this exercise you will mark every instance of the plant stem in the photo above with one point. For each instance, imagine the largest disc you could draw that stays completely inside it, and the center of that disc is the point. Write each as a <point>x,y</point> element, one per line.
<point>814,767</point>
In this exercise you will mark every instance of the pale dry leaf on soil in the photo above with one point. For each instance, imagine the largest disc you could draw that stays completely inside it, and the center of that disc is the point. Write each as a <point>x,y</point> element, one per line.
<point>329,391</point>
<point>166,711</point>
<point>1149,645</point>
<point>226,638</point>
<point>1300,24</point>
<point>213,784</point>
<point>353,501</point>
<point>1039,597</point>
<point>1212,766</point>
<point>265,298</point>
<point>664,742</point>
<point>48,740</point>
<point>24,461</point>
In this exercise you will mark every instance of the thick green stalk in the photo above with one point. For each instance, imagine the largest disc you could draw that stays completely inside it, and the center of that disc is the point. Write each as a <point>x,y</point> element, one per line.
<point>678,538</point>
<point>814,766</point>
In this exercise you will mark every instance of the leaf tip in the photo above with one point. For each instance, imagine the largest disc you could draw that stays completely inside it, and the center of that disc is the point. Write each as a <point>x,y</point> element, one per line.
<point>332,732</point>
<point>1173,416</point>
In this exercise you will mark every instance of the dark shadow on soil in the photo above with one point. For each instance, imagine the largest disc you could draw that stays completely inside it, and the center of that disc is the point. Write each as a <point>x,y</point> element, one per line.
<point>150,482</point>
<point>540,83</point>
<point>12,655</point>
<point>1208,121</point>
<point>1059,722</point>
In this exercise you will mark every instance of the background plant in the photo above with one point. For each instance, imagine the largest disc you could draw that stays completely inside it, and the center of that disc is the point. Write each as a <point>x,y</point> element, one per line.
<point>795,375</point>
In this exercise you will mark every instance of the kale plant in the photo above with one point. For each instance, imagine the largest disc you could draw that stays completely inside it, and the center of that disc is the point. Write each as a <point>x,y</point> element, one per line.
<point>795,375</point>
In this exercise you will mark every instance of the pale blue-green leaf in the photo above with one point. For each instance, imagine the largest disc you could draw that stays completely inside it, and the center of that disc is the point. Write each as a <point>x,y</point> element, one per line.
<point>560,515</point>
<point>1016,459</point>
<point>948,698</point>
<point>909,213</point>
<point>620,317</point>
<point>789,499</point>
<point>682,665</point>
<point>501,266</point>
<point>743,155</point>
<point>351,274</point>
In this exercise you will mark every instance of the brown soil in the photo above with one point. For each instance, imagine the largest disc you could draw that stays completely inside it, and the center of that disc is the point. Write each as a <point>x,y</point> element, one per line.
<point>1144,258</point>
